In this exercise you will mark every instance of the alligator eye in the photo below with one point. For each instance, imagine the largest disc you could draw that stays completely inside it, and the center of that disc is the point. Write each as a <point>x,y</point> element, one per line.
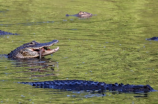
<point>45,48</point>
<point>32,43</point>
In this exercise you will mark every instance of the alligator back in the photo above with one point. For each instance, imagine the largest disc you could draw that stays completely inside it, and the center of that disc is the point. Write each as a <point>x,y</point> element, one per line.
<point>7,33</point>
<point>79,85</point>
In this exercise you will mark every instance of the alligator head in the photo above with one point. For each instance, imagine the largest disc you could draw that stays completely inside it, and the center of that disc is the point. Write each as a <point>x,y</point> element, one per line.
<point>82,15</point>
<point>33,49</point>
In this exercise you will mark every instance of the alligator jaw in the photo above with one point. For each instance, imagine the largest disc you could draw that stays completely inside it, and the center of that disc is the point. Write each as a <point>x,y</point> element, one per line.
<point>46,51</point>
<point>42,49</point>
<point>33,50</point>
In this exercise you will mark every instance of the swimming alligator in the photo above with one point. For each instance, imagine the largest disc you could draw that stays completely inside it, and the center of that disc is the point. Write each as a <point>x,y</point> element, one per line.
<point>33,50</point>
<point>7,33</point>
<point>153,38</point>
<point>82,15</point>
<point>78,85</point>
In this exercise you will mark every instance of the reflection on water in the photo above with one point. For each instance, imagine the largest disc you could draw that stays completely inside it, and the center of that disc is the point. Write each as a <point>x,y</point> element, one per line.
<point>81,94</point>
<point>90,94</point>
<point>139,94</point>
<point>32,62</point>
<point>36,65</point>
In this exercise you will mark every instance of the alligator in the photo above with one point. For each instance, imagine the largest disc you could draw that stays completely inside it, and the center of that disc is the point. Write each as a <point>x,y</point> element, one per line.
<point>100,87</point>
<point>7,33</point>
<point>153,38</point>
<point>82,15</point>
<point>33,50</point>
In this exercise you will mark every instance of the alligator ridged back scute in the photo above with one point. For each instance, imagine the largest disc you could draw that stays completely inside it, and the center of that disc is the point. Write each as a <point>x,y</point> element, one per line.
<point>70,85</point>
<point>90,86</point>
<point>7,33</point>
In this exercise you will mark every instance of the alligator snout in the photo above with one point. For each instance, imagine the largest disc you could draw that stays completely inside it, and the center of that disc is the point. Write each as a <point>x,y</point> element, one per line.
<point>82,15</point>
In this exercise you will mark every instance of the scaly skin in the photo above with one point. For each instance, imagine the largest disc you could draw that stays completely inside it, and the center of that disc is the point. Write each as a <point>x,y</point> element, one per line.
<point>33,50</point>
<point>79,85</point>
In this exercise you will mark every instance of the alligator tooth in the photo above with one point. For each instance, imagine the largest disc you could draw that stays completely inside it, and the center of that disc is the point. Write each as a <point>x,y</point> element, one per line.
<point>41,52</point>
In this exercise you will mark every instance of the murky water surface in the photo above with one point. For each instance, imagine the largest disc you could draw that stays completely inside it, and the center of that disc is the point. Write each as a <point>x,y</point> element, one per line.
<point>110,47</point>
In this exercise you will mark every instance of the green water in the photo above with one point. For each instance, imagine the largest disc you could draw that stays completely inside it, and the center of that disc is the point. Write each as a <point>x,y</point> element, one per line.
<point>110,47</point>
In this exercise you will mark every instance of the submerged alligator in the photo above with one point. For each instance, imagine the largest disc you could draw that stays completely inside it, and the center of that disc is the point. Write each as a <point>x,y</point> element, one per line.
<point>33,50</point>
<point>153,38</point>
<point>7,33</point>
<point>82,15</point>
<point>78,85</point>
